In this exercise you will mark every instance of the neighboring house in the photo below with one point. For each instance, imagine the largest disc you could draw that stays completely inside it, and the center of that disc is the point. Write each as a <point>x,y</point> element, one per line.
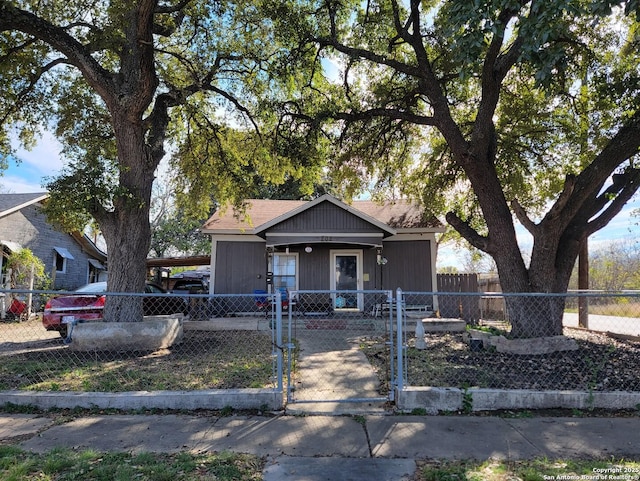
<point>323,244</point>
<point>71,260</point>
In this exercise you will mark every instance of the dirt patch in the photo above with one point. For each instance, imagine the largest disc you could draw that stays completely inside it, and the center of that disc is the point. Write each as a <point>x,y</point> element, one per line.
<point>601,363</point>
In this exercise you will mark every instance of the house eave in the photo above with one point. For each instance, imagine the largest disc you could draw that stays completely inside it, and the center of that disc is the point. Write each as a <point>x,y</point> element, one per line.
<point>229,231</point>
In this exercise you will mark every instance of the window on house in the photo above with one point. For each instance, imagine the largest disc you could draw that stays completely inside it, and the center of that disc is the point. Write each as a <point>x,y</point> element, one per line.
<point>95,270</point>
<point>285,267</point>
<point>61,255</point>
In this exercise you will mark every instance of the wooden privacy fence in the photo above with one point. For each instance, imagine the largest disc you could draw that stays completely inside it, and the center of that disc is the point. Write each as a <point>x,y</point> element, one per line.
<point>463,307</point>
<point>491,307</point>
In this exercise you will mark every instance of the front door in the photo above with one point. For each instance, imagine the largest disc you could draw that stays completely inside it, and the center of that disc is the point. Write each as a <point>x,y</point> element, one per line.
<point>346,268</point>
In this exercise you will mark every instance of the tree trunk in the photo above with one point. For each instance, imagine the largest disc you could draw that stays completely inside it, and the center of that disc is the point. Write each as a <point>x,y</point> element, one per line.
<point>552,258</point>
<point>535,315</point>
<point>127,228</point>
<point>127,264</point>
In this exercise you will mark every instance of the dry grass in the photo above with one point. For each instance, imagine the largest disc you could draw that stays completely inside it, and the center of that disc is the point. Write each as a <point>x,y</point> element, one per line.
<point>204,360</point>
<point>622,308</point>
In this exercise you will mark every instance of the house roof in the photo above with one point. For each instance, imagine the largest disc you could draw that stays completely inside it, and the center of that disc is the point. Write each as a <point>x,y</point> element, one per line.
<point>261,214</point>
<point>10,203</point>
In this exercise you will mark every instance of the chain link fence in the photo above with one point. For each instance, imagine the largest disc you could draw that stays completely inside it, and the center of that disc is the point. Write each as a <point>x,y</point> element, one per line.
<point>331,333</point>
<point>586,341</point>
<point>579,341</point>
<point>187,342</point>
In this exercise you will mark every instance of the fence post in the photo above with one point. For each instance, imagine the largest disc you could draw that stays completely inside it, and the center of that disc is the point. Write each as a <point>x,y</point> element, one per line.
<point>290,345</point>
<point>393,379</point>
<point>399,339</point>
<point>279,361</point>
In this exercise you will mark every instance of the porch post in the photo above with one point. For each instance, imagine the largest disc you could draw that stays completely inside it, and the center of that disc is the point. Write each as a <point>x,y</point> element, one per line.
<point>212,266</point>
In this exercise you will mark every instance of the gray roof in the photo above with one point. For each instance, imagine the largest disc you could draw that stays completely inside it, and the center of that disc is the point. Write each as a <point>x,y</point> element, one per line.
<point>12,202</point>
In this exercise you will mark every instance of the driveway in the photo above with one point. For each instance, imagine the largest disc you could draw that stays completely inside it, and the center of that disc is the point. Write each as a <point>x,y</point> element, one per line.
<point>29,335</point>
<point>629,326</point>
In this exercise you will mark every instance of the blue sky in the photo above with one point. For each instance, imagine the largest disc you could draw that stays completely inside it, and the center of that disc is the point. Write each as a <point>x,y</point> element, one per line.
<point>623,226</point>
<point>44,161</point>
<point>27,175</point>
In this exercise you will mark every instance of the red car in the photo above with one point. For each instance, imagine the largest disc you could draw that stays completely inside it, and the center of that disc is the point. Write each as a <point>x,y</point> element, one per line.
<point>87,304</point>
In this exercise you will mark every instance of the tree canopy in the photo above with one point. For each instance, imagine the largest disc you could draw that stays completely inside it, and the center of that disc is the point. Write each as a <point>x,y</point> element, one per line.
<point>121,82</point>
<point>488,110</point>
<point>484,109</point>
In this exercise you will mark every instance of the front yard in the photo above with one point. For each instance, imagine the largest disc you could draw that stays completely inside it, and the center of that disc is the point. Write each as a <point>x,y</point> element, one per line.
<point>204,360</point>
<point>601,363</point>
<point>231,359</point>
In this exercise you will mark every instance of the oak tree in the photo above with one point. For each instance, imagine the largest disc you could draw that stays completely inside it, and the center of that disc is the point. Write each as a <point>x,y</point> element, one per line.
<point>489,110</point>
<point>122,82</point>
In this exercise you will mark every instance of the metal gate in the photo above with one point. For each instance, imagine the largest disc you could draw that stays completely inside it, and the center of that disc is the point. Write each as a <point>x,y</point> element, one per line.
<point>340,347</point>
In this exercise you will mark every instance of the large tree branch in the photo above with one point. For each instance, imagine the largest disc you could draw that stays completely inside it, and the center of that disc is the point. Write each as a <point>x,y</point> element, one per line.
<point>624,145</point>
<point>468,232</point>
<point>522,216</point>
<point>494,70</point>
<point>559,205</point>
<point>624,187</point>
<point>368,55</point>
<point>138,79</point>
<point>12,18</point>
<point>428,82</point>
<point>178,7</point>
<point>33,80</point>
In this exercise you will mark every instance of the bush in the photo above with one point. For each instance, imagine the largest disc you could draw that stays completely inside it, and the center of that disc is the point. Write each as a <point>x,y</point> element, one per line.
<point>24,266</point>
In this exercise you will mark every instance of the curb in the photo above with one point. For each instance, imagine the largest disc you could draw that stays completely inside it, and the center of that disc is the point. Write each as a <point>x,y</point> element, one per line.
<point>268,399</point>
<point>435,400</point>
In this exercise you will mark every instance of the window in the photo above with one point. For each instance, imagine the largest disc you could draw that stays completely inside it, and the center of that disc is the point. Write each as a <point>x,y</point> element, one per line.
<point>285,267</point>
<point>60,258</point>
<point>95,269</point>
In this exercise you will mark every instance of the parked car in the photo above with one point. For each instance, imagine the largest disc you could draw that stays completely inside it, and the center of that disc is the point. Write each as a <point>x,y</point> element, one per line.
<point>87,304</point>
<point>190,286</point>
<point>199,308</point>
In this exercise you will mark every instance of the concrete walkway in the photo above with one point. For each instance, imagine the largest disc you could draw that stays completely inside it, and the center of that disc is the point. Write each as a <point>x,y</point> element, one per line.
<point>333,375</point>
<point>335,448</point>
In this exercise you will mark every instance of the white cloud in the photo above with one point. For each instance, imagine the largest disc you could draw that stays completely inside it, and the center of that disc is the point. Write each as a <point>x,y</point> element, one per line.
<point>45,157</point>
<point>26,173</point>
<point>12,184</point>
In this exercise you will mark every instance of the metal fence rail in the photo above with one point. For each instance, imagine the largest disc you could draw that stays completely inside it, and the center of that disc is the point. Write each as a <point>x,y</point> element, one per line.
<point>299,341</point>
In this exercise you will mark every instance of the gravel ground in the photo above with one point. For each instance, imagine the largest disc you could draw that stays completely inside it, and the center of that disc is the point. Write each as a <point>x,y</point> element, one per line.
<point>601,363</point>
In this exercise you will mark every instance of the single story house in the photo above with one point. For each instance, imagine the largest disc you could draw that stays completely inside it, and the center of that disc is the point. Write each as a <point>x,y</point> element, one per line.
<point>323,244</point>
<point>71,260</point>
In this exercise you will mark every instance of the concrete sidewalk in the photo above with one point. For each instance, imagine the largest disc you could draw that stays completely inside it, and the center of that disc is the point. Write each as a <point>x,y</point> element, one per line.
<point>314,448</point>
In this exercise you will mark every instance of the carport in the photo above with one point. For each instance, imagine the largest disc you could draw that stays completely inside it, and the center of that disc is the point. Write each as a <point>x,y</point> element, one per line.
<point>158,265</point>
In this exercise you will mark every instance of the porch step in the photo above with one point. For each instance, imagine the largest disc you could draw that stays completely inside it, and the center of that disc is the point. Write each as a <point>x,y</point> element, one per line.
<point>444,325</point>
